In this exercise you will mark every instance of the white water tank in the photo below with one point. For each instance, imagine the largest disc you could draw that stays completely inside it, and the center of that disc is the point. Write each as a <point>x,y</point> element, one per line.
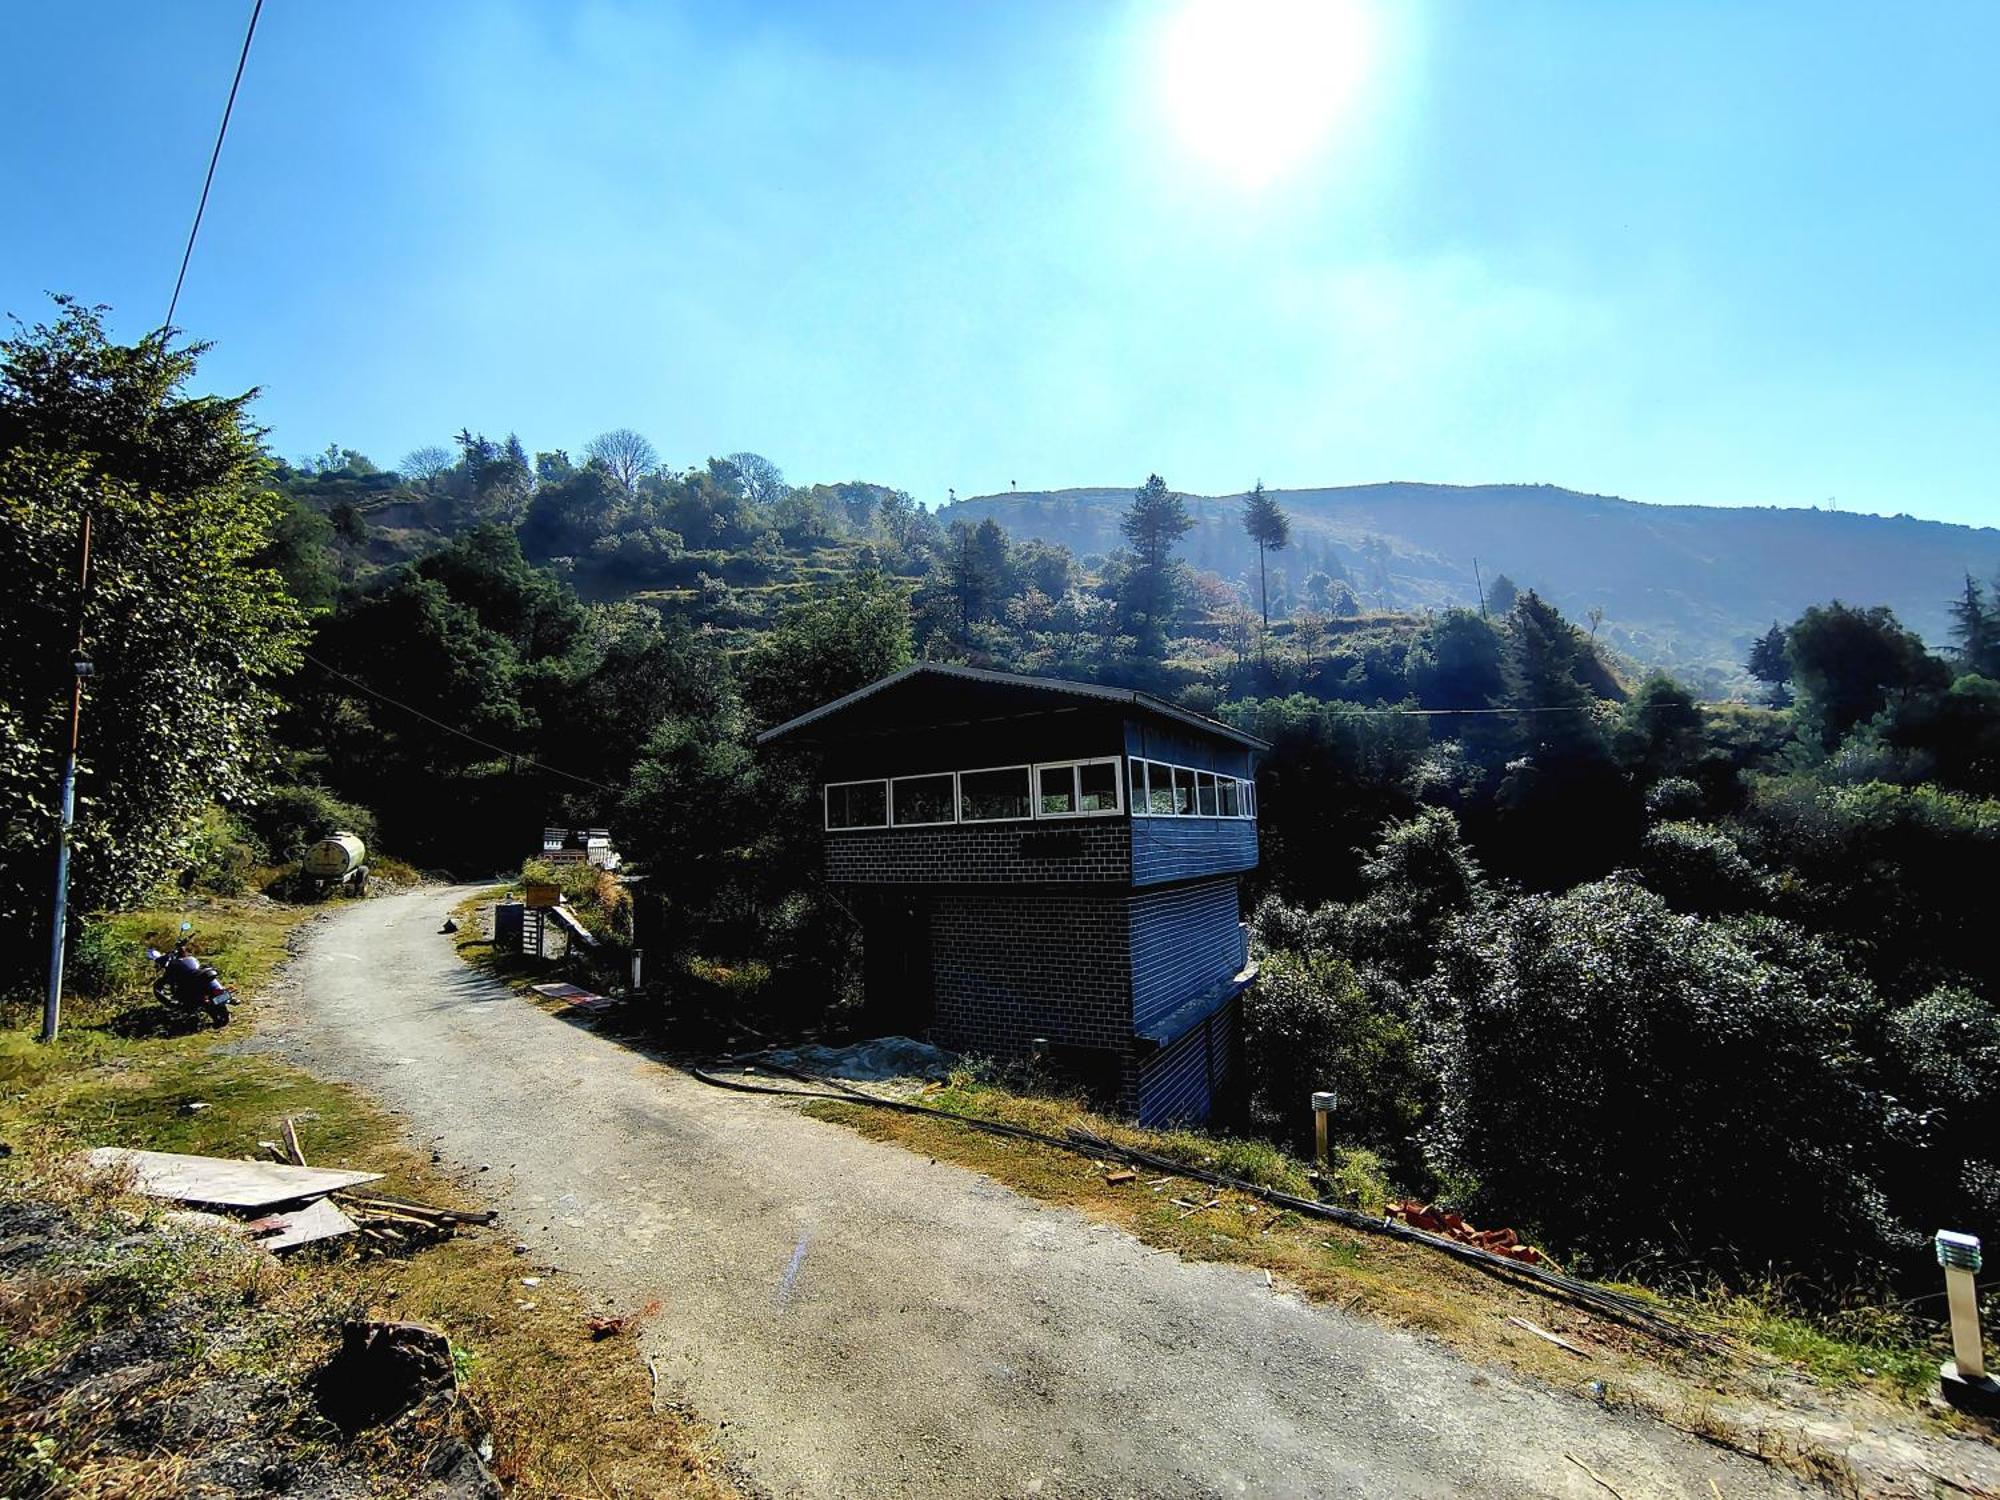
<point>334,857</point>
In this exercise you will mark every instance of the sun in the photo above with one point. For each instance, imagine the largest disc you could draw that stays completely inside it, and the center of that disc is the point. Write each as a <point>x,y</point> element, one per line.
<point>1256,89</point>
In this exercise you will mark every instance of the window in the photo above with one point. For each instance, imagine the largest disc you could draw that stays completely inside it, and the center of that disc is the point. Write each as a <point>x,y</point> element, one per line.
<point>1057,786</point>
<point>1228,800</point>
<point>857,804</point>
<point>1249,799</point>
<point>1204,790</point>
<point>1184,803</point>
<point>923,799</point>
<point>1084,788</point>
<point>1160,789</point>
<point>1097,786</point>
<point>1137,800</point>
<point>997,796</point>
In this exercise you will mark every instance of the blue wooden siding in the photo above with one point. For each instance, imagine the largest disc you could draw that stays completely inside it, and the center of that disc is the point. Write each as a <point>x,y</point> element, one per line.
<point>1184,943</point>
<point>1182,1082</point>
<point>1165,849</point>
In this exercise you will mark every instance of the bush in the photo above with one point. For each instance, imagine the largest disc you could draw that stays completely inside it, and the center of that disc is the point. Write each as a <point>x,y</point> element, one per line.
<point>1945,1050</point>
<point>289,818</point>
<point>1675,798</point>
<point>222,855</point>
<point>1699,869</point>
<point>1312,1024</point>
<point>1630,1084</point>
<point>101,963</point>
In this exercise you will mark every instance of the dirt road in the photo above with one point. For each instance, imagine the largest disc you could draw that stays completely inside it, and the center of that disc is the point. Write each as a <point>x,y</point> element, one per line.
<point>867,1323</point>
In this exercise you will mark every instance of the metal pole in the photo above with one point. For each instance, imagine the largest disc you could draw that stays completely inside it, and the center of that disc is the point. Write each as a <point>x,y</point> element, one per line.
<point>80,667</point>
<point>1323,1105</point>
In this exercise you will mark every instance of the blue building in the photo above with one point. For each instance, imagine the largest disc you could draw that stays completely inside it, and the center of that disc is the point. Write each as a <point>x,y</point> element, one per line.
<point>1042,861</point>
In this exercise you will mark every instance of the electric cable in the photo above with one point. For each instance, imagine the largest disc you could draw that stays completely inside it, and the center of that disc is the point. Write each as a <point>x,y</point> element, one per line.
<point>213,157</point>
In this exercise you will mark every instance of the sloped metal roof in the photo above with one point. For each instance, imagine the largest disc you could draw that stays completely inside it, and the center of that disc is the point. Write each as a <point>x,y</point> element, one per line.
<point>1055,686</point>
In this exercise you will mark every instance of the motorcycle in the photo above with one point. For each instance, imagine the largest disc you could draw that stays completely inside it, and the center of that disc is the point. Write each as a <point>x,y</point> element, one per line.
<point>182,981</point>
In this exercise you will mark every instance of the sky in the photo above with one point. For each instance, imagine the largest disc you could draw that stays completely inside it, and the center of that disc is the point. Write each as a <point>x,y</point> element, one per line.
<point>1693,252</point>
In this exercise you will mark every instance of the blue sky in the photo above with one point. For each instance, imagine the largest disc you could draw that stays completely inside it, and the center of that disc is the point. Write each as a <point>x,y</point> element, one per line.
<point>1697,252</point>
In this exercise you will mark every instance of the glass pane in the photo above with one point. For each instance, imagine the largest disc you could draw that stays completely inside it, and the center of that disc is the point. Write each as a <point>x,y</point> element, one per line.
<point>857,804</point>
<point>1184,791</point>
<point>1161,780</point>
<point>987,796</point>
<point>1100,786</point>
<point>923,799</point>
<point>1137,801</point>
<point>1225,791</point>
<point>1058,790</point>
<point>1204,785</point>
<point>1250,799</point>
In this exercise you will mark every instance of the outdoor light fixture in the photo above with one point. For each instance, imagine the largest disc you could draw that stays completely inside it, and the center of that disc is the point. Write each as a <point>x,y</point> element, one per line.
<point>1963,1378</point>
<point>1323,1105</point>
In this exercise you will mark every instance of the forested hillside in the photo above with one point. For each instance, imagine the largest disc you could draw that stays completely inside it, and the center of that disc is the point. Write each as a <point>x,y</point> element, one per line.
<point>1695,989</point>
<point>1681,586</point>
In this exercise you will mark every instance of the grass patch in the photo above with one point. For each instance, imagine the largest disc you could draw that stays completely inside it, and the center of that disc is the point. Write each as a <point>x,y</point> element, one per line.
<point>568,1416</point>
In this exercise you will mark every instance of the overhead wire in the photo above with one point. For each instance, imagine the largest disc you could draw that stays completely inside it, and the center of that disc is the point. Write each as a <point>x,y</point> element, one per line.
<point>214,156</point>
<point>472,739</point>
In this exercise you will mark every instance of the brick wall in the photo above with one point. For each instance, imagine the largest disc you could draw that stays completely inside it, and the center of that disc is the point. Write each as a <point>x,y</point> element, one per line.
<point>1093,850</point>
<point>1012,967</point>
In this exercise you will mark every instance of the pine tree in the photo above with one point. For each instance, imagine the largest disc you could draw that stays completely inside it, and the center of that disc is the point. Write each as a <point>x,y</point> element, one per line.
<point>1268,527</point>
<point>1975,626</point>
<point>1770,663</point>
<point>1156,520</point>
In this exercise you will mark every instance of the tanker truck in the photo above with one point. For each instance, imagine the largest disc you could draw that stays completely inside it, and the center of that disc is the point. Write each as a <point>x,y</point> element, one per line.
<point>335,861</point>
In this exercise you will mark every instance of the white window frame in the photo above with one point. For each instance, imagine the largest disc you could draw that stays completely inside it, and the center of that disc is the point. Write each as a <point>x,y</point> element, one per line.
<point>1246,792</point>
<point>952,776</point>
<point>1075,768</point>
<point>826,804</point>
<point>958,796</point>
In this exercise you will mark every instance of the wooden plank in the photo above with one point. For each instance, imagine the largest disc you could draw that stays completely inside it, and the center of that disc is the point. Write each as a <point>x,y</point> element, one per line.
<point>218,1180</point>
<point>292,1147</point>
<point>319,1220</point>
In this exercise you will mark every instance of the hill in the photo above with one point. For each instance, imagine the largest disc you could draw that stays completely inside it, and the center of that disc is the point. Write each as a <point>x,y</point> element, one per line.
<point>1682,586</point>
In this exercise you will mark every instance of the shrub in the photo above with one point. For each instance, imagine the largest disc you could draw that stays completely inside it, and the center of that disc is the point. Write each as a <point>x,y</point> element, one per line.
<point>287,819</point>
<point>1676,798</point>
<point>1313,1023</point>
<point>1629,1083</point>
<point>102,963</point>
<point>1696,868</point>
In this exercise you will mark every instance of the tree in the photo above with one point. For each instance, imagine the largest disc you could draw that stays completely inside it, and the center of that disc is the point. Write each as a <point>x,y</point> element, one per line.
<point>825,647</point>
<point>627,455</point>
<point>187,632</point>
<point>1771,664</point>
<point>1266,525</point>
<point>426,464</point>
<point>1156,520</point>
<point>1975,628</point>
<point>1850,664</point>
<point>1309,630</point>
<point>763,481</point>
<point>1500,598</point>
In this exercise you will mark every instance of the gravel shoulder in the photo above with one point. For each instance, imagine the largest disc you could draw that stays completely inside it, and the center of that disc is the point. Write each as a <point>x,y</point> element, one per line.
<point>860,1321</point>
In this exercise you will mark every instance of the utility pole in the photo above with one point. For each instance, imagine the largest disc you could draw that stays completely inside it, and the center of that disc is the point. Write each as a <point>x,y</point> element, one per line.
<point>1482,587</point>
<point>80,667</point>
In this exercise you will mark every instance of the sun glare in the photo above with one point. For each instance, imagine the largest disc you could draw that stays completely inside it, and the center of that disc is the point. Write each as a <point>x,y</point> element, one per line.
<point>1258,88</point>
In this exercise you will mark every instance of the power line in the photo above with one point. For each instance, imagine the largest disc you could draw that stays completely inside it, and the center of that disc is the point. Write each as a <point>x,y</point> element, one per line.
<point>213,157</point>
<point>454,729</point>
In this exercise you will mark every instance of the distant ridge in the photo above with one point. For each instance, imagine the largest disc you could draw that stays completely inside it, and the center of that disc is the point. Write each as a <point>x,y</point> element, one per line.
<point>1681,586</point>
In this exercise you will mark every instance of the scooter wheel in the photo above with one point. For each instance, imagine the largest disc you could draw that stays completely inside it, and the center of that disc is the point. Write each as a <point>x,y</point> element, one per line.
<point>220,1015</point>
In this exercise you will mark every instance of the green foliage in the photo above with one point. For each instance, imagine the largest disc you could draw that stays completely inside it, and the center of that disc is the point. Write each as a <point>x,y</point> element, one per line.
<point>102,963</point>
<point>1771,663</point>
<point>287,819</point>
<point>1849,664</point>
<point>1699,869</point>
<point>1634,1084</point>
<point>186,630</point>
<point>827,646</point>
<point>1310,1024</point>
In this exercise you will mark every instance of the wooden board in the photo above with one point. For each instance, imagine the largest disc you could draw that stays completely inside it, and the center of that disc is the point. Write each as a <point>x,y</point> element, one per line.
<point>319,1220</point>
<point>219,1180</point>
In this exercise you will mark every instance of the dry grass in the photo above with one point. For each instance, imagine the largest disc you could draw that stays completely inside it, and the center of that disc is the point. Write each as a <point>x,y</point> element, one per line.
<point>568,1416</point>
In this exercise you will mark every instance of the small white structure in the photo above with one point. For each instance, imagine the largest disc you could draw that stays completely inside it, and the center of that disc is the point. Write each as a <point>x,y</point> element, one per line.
<point>580,846</point>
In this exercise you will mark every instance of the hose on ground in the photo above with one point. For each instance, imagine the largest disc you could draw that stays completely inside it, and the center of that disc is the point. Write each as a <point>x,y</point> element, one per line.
<point>1619,1306</point>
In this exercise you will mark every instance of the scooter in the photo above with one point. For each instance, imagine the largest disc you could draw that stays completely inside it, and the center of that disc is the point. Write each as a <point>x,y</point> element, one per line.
<point>183,981</point>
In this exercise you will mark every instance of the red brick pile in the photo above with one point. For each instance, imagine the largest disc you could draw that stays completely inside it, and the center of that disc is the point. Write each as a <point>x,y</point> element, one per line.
<point>1453,1226</point>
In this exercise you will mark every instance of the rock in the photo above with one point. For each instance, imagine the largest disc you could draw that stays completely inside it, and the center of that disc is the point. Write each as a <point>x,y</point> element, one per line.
<point>382,1370</point>
<point>457,1471</point>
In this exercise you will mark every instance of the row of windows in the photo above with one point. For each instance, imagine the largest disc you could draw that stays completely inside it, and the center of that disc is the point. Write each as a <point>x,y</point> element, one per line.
<point>998,794</point>
<point>1017,794</point>
<point>1163,791</point>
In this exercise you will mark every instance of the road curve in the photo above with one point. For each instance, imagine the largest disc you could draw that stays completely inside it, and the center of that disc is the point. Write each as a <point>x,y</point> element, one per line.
<point>867,1323</point>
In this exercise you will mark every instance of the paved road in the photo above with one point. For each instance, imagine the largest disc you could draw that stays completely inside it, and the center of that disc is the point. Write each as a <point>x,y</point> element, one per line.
<point>871,1324</point>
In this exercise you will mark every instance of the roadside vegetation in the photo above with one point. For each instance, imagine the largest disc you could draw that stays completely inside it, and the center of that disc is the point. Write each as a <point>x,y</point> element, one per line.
<point>90,1271</point>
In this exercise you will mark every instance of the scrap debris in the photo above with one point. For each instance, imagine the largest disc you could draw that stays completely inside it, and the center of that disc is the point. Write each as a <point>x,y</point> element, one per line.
<point>608,1327</point>
<point>289,1202</point>
<point>1454,1227</point>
